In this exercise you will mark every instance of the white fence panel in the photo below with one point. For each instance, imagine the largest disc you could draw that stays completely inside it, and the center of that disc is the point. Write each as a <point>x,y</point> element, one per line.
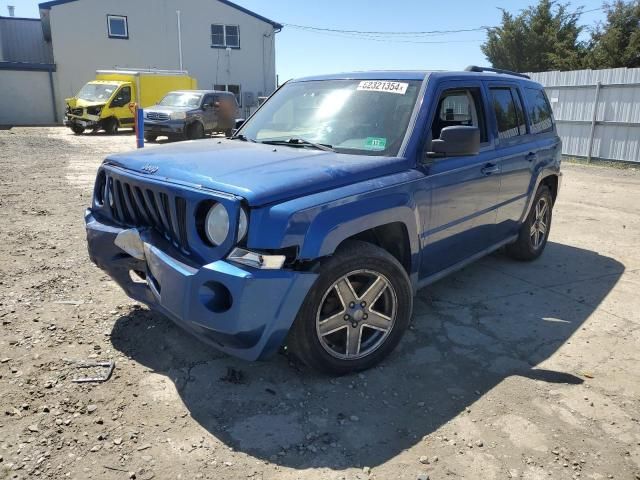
<point>613,133</point>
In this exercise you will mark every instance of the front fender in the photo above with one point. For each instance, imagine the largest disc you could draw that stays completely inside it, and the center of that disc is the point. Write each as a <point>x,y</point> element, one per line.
<point>316,224</point>
<point>334,225</point>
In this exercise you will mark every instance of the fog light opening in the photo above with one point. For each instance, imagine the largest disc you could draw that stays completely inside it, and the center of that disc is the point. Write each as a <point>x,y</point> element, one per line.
<point>215,297</point>
<point>137,276</point>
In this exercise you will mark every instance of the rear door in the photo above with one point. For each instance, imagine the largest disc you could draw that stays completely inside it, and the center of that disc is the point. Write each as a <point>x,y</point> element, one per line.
<point>516,153</point>
<point>464,189</point>
<point>541,125</point>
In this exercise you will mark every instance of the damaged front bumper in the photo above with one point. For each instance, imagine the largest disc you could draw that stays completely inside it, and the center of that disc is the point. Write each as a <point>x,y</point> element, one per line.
<point>243,311</point>
<point>90,121</point>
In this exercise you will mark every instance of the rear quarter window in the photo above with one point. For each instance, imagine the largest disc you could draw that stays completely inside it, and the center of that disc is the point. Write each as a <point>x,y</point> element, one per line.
<point>540,114</point>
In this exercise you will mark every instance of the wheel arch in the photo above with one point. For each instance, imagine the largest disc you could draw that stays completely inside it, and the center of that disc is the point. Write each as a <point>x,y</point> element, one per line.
<point>379,222</point>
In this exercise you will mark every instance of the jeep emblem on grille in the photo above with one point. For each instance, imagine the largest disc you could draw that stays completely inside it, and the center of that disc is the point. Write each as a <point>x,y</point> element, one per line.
<point>149,168</point>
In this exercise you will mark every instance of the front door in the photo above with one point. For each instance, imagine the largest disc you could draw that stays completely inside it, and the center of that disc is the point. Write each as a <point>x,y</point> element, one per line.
<point>209,112</point>
<point>464,189</point>
<point>120,106</point>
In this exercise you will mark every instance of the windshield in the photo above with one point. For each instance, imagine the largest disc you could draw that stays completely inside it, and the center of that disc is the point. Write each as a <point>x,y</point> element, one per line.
<point>95,92</point>
<point>181,100</point>
<point>361,117</point>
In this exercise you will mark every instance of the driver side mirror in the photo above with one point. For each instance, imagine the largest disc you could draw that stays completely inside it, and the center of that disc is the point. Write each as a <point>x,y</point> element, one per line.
<point>456,141</point>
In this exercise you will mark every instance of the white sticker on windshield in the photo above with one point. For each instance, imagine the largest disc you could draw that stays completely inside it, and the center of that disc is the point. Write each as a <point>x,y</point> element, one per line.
<point>380,86</point>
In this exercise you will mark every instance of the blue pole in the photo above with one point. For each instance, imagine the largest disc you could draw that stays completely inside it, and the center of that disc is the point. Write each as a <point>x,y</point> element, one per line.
<point>140,125</point>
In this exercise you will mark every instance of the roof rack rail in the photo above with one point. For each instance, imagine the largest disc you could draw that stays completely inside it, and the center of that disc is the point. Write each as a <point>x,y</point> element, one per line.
<point>475,68</point>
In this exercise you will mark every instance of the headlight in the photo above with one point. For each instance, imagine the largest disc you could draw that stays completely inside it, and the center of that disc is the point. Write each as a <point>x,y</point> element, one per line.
<point>178,115</point>
<point>94,110</point>
<point>217,224</point>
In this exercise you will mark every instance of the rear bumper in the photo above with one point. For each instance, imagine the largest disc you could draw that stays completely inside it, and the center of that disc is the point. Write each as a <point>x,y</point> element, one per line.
<point>242,311</point>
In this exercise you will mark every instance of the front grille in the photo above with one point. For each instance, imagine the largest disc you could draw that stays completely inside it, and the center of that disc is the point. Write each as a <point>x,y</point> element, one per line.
<point>157,116</point>
<point>144,206</point>
<point>77,111</point>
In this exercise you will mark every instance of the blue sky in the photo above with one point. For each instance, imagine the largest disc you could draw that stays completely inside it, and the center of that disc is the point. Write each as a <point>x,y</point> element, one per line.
<point>300,53</point>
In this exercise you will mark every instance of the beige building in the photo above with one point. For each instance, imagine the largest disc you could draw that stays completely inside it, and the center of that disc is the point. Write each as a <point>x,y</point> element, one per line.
<point>221,44</point>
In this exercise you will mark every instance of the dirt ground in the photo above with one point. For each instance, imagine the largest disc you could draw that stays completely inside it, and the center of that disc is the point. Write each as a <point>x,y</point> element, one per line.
<point>510,370</point>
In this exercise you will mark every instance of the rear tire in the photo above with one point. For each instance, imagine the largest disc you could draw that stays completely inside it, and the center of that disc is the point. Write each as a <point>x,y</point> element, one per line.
<point>150,137</point>
<point>77,129</point>
<point>110,126</point>
<point>534,232</point>
<point>356,312</point>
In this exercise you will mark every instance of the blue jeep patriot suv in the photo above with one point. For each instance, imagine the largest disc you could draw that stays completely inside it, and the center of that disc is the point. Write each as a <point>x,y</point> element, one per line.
<point>315,224</point>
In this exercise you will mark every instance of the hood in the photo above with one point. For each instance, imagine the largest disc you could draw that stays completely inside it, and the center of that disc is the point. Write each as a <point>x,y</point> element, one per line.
<point>75,102</point>
<point>165,109</point>
<point>259,173</point>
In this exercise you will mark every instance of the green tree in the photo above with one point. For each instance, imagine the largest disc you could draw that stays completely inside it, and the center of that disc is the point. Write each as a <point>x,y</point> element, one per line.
<point>616,42</point>
<point>539,38</point>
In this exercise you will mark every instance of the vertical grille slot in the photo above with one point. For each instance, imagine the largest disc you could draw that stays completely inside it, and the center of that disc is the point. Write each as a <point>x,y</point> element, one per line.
<point>130,204</point>
<point>142,208</point>
<point>163,208</point>
<point>181,214</point>
<point>117,196</point>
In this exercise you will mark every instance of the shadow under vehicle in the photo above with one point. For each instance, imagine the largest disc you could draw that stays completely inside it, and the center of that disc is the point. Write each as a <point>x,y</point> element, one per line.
<point>470,332</point>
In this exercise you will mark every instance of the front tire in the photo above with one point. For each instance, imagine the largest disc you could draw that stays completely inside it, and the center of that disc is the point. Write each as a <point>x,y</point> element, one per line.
<point>356,312</point>
<point>195,131</point>
<point>534,232</point>
<point>77,129</point>
<point>150,137</point>
<point>111,126</point>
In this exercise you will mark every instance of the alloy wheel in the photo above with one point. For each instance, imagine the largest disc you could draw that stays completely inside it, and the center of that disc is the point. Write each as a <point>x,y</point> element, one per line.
<point>540,225</point>
<point>356,314</point>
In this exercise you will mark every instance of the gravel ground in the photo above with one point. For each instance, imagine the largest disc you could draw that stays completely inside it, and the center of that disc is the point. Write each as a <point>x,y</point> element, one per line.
<point>510,370</point>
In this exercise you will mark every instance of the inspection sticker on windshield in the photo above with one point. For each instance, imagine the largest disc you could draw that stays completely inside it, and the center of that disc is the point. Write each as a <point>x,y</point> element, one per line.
<point>375,143</point>
<point>380,86</point>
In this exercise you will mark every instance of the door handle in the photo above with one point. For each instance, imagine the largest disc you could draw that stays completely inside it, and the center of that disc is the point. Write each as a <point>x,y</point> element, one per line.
<point>531,156</point>
<point>490,168</point>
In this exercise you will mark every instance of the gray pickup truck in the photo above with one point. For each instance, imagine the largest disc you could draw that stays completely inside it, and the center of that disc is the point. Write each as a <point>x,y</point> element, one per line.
<point>191,114</point>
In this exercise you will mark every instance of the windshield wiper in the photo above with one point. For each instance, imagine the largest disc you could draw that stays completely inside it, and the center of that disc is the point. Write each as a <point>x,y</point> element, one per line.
<point>300,141</point>
<point>242,137</point>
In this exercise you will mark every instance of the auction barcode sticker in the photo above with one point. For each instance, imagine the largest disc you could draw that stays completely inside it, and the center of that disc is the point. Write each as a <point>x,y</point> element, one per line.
<point>380,86</point>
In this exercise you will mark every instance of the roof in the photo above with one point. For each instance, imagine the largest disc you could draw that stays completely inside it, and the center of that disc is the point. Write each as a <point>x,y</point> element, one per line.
<point>372,75</point>
<point>53,3</point>
<point>22,41</point>
<point>418,75</point>
<point>202,92</point>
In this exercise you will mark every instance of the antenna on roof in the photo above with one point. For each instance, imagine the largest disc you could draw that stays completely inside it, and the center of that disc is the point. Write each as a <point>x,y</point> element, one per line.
<point>12,10</point>
<point>474,68</point>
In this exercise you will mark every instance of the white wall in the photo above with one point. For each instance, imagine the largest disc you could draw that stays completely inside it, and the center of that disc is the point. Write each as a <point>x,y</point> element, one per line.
<point>81,44</point>
<point>25,98</point>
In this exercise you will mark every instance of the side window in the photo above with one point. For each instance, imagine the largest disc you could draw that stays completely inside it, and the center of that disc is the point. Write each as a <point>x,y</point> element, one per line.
<point>123,97</point>
<point>459,107</point>
<point>207,100</point>
<point>539,110</point>
<point>509,115</point>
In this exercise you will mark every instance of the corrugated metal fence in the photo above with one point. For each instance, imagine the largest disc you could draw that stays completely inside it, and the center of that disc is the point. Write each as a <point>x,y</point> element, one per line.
<point>597,111</point>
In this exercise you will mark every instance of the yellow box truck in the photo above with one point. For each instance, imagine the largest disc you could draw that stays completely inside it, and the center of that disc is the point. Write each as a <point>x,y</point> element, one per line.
<point>103,103</point>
